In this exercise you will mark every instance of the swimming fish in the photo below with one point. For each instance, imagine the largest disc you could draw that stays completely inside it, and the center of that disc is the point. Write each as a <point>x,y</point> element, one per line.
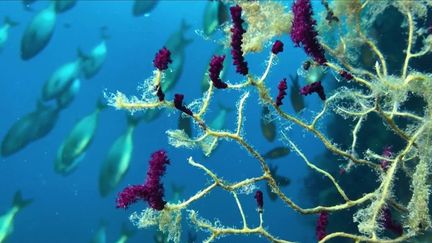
<point>177,41</point>
<point>62,6</point>
<point>29,128</point>
<point>65,98</point>
<point>268,127</point>
<point>215,14</point>
<point>192,237</point>
<point>7,219</point>
<point>185,124</point>
<point>218,122</point>
<point>125,234</point>
<point>116,163</point>
<point>92,63</point>
<point>61,80</point>
<point>175,70</point>
<point>281,181</point>
<point>297,100</point>
<point>38,33</point>
<point>76,143</point>
<point>277,153</point>
<point>100,235</point>
<point>143,7</point>
<point>4,30</point>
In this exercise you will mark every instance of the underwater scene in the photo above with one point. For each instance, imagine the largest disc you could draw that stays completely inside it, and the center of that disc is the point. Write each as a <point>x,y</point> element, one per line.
<point>215,121</point>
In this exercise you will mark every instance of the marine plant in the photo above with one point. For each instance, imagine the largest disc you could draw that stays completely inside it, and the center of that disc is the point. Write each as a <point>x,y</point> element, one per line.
<point>363,91</point>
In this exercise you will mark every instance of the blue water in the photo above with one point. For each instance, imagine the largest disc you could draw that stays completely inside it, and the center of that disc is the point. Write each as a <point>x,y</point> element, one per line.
<point>69,209</point>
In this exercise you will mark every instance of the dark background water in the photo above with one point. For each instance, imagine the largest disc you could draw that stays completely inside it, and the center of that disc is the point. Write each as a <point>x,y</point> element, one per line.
<point>69,209</point>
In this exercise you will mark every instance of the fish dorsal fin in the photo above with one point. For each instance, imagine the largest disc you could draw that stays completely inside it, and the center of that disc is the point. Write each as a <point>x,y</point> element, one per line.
<point>10,22</point>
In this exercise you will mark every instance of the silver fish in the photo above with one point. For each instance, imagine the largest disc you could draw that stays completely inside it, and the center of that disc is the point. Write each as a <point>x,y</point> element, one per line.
<point>143,7</point>
<point>62,6</point>
<point>277,153</point>
<point>125,234</point>
<point>65,98</point>
<point>281,181</point>
<point>4,30</point>
<point>215,14</point>
<point>72,149</point>
<point>297,100</point>
<point>116,163</point>
<point>185,124</point>
<point>218,122</point>
<point>268,128</point>
<point>100,235</point>
<point>38,33</point>
<point>7,219</point>
<point>92,63</point>
<point>29,128</point>
<point>61,80</point>
<point>177,40</point>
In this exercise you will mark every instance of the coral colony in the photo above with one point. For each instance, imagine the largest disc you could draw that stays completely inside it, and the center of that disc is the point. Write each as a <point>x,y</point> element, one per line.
<point>152,190</point>
<point>381,90</point>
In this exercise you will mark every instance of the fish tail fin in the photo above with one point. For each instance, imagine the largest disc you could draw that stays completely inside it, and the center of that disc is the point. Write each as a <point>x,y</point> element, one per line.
<point>81,55</point>
<point>104,33</point>
<point>9,21</point>
<point>127,231</point>
<point>184,25</point>
<point>19,202</point>
<point>101,104</point>
<point>224,107</point>
<point>294,79</point>
<point>177,189</point>
<point>133,120</point>
<point>183,28</point>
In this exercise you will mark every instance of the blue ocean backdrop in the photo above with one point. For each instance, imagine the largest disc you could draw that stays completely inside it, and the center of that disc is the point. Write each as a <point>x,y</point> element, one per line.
<point>69,208</point>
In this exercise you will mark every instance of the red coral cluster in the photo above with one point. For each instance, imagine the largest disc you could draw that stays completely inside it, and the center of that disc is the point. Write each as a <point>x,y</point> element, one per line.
<point>236,40</point>
<point>281,87</point>
<point>216,66</point>
<point>346,75</point>
<point>389,223</point>
<point>303,31</point>
<point>178,103</point>
<point>321,225</point>
<point>152,190</point>
<point>162,58</point>
<point>277,47</point>
<point>387,153</point>
<point>259,199</point>
<point>315,87</point>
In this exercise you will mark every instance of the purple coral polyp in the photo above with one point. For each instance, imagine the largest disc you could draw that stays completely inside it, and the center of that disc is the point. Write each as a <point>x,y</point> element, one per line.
<point>315,87</point>
<point>178,103</point>
<point>321,225</point>
<point>152,190</point>
<point>346,75</point>
<point>236,41</point>
<point>303,31</point>
<point>216,66</point>
<point>281,95</point>
<point>277,47</point>
<point>259,199</point>
<point>162,58</point>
